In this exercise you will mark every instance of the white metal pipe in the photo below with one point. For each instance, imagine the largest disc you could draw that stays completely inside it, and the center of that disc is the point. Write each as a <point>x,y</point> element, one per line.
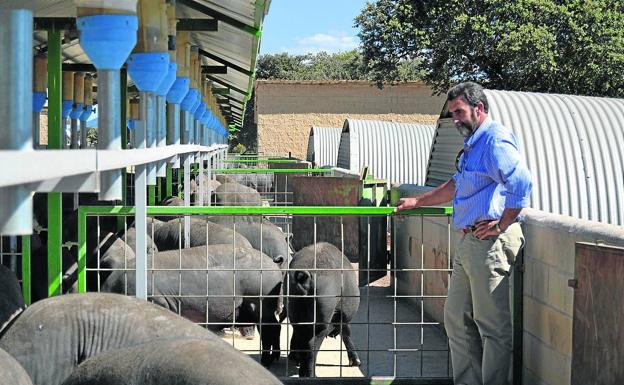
<point>109,130</point>
<point>161,133</point>
<point>184,127</point>
<point>16,78</point>
<point>200,178</point>
<point>173,128</point>
<point>184,130</point>
<point>150,120</point>
<point>209,176</point>
<point>74,134</point>
<point>36,130</point>
<point>140,202</point>
<point>187,199</point>
<point>83,134</point>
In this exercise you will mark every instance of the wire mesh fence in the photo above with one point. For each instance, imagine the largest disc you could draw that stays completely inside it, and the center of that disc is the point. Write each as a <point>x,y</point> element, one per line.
<point>15,256</point>
<point>238,273</point>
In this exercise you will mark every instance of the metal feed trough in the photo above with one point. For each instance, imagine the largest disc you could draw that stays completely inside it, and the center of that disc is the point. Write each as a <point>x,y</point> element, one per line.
<point>394,338</point>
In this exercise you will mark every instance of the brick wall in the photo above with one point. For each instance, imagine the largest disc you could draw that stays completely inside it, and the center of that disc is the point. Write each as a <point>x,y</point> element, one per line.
<point>285,111</point>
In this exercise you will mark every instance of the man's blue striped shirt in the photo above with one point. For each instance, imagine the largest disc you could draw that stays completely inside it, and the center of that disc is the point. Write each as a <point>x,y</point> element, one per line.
<point>491,176</point>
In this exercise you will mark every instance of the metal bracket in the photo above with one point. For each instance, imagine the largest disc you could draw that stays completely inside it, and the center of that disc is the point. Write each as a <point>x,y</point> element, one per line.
<point>69,245</point>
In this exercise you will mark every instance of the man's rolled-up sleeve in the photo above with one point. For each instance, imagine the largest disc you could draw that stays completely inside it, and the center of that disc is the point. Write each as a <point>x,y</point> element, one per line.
<point>506,167</point>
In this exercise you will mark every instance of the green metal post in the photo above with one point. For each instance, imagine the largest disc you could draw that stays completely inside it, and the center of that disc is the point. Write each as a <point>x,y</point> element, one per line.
<point>151,201</point>
<point>82,250</point>
<point>55,202</point>
<point>123,85</point>
<point>169,188</point>
<point>26,282</point>
<point>160,190</point>
<point>180,172</point>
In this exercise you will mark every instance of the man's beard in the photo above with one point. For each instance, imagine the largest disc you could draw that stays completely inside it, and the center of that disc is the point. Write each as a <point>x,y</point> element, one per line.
<point>467,129</point>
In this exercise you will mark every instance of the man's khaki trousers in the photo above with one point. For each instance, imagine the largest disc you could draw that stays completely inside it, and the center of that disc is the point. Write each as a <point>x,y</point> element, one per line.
<point>476,313</point>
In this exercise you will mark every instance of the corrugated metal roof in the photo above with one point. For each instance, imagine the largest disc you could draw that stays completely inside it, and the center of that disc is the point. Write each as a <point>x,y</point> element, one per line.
<point>573,145</point>
<point>323,145</point>
<point>396,152</point>
<point>230,43</point>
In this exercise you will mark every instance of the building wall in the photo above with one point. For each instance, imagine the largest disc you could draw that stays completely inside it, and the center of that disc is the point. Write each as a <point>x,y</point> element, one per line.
<point>549,262</point>
<point>286,110</point>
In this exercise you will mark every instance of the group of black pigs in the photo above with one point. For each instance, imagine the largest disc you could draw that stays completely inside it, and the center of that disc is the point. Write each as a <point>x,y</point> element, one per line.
<point>237,270</point>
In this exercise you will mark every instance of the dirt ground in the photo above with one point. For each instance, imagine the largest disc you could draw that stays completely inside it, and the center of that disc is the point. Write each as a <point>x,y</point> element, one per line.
<point>386,337</point>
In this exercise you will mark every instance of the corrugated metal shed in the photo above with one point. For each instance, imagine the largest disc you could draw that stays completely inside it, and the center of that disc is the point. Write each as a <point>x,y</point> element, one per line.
<point>234,45</point>
<point>323,145</point>
<point>396,152</point>
<point>573,145</point>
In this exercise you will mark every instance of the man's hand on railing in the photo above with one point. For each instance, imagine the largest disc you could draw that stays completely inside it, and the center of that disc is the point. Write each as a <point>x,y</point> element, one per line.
<point>408,203</point>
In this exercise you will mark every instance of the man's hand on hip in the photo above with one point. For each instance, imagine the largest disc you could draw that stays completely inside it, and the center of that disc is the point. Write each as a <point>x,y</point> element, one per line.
<point>487,229</point>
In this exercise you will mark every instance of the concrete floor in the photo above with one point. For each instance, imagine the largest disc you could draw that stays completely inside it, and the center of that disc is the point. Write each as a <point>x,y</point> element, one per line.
<point>422,350</point>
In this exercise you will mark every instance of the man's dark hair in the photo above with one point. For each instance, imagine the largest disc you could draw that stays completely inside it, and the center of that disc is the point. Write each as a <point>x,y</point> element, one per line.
<point>471,92</point>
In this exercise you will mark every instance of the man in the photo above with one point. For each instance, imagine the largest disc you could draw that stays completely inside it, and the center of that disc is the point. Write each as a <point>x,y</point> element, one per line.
<point>489,189</point>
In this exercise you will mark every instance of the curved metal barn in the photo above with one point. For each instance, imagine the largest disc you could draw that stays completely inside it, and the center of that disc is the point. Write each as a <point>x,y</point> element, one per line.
<point>323,145</point>
<point>573,145</point>
<point>396,152</point>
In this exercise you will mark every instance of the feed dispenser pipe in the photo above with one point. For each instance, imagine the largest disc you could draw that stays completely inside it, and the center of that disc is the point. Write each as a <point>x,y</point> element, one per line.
<point>108,33</point>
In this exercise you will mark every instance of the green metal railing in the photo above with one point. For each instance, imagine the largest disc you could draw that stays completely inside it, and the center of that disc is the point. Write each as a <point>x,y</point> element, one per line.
<point>272,170</point>
<point>261,160</point>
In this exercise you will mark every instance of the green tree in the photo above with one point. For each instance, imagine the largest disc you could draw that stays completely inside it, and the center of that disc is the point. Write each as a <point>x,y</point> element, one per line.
<point>567,46</point>
<point>322,66</point>
<point>279,66</point>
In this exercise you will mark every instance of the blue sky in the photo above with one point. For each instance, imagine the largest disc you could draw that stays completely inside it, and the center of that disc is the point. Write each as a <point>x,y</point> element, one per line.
<point>304,26</point>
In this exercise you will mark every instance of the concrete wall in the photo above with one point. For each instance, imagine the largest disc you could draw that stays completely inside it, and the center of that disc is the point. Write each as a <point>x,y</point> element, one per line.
<point>286,110</point>
<point>548,301</point>
<point>549,263</point>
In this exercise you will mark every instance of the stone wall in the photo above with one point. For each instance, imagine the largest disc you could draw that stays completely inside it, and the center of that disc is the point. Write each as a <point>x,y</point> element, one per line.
<point>285,110</point>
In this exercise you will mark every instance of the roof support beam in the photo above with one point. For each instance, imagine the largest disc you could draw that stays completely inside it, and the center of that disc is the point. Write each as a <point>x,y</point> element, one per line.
<point>79,67</point>
<point>56,23</point>
<point>214,69</point>
<point>220,91</point>
<point>220,16</point>
<point>199,25</point>
<point>226,84</point>
<point>233,100</point>
<point>69,24</point>
<point>223,61</point>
